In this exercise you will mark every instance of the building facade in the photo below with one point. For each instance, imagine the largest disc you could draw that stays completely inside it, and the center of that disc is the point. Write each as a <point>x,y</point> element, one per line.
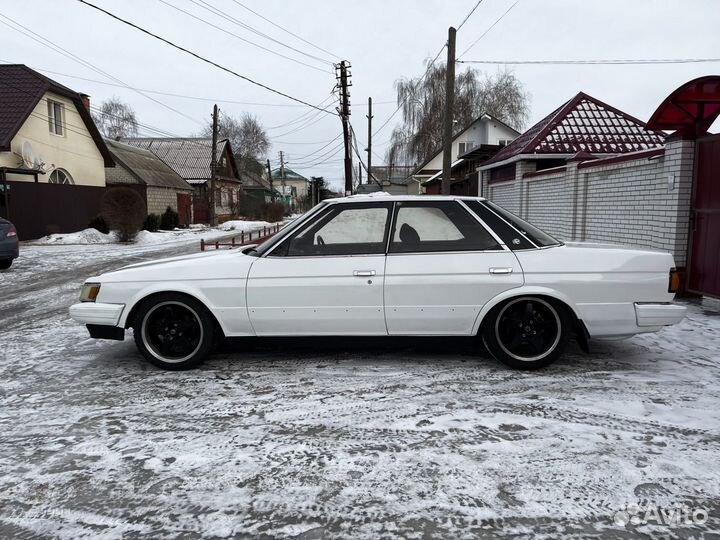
<point>52,157</point>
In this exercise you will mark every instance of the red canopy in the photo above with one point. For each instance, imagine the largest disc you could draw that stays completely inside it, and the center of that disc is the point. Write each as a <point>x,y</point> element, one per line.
<point>691,109</point>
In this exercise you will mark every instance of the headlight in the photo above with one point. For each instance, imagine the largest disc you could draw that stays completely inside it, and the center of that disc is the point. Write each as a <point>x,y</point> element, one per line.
<point>89,292</point>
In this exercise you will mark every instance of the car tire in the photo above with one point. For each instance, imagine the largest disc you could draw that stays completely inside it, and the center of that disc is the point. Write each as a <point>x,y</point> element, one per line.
<point>527,332</point>
<point>5,263</point>
<point>174,331</point>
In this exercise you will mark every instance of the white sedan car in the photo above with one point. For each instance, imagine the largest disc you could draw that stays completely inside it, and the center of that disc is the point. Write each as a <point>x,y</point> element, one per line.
<point>390,266</point>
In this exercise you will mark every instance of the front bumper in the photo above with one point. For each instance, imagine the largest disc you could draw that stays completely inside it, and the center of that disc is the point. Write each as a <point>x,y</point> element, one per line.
<point>649,314</point>
<point>97,313</point>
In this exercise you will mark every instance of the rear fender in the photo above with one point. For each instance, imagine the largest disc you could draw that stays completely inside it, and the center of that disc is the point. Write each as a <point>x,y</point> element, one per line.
<point>524,291</point>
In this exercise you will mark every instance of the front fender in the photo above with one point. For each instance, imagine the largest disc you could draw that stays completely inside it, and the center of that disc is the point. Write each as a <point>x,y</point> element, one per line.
<point>225,299</point>
<point>523,291</point>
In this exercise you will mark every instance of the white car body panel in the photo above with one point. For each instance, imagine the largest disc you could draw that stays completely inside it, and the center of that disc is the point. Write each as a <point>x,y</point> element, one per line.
<point>442,293</point>
<point>615,291</point>
<point>311,295</point>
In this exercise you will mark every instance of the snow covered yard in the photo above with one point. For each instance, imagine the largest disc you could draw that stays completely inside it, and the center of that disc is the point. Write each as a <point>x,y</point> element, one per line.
<point>353,439</point>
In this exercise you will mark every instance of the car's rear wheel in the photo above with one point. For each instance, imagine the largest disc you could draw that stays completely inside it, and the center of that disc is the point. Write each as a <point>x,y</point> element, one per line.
<point>174,331</point>
<point>5,264</point>
<point>527,332</point>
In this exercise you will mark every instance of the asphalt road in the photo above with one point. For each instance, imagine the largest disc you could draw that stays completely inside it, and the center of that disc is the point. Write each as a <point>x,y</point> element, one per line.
<point>370,438</point>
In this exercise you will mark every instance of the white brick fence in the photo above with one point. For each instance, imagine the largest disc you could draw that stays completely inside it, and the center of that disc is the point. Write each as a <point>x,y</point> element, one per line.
<point>641,199</point>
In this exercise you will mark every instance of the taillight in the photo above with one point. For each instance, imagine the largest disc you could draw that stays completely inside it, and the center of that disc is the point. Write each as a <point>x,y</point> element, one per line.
<point>674,281</point>
<point>12,231</point>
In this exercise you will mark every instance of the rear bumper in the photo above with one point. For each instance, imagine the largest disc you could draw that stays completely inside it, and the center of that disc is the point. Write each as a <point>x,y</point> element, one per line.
<point>9,249</point>
<point>647,314</point>
<point>96,313</point>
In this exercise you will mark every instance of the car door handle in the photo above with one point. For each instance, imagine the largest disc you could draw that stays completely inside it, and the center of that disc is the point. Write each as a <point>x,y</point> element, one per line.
<point>500,270</point>
<point>364,273</point>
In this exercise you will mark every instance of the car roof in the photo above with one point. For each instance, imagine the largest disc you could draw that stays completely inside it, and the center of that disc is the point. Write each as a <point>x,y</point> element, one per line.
<point>386,197</point>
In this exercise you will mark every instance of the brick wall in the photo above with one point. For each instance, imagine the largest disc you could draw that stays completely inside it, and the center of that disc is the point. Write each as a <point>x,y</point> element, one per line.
<point>158,199</point>
<point>642,202</point>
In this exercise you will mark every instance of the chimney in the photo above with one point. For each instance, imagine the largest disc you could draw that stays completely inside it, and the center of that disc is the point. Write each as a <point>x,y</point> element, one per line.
<point>86,101</point>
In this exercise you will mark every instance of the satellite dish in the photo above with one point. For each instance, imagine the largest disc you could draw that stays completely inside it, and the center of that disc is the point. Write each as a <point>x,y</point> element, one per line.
<point>27,155</point>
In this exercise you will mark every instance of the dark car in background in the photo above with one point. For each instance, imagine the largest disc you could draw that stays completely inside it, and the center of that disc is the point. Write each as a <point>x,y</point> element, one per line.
<point>9,249</point>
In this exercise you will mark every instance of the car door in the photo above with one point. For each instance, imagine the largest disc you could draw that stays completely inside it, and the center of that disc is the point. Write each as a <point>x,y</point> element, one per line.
<point>326,278</point>
<point>442,266</point>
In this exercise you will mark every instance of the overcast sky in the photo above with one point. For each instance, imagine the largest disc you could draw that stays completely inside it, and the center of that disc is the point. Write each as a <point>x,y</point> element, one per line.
<point>383,39</point>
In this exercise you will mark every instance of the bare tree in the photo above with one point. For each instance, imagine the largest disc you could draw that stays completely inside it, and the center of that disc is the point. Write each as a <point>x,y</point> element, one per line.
<point>422,102</point>
<point>116,119</point>
<point>247,137</point>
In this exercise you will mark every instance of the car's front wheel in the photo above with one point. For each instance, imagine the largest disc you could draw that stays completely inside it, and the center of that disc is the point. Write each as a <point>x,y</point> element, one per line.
<point>174,331</point>
<point>5,264</point>
<point>527,332</point>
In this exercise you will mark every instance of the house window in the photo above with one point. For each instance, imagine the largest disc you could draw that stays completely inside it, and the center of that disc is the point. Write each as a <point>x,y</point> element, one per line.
<point>55,117</point>
<point>60,176</point>
<point>465,147</point>
<point>504,142</point>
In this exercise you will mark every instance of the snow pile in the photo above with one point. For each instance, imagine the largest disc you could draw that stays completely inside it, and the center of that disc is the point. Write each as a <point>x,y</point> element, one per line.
<point>84,237</point>
<point>244,226</point>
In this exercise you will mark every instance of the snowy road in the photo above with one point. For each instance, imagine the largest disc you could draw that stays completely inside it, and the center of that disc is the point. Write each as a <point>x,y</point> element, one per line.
<point>363,439</point>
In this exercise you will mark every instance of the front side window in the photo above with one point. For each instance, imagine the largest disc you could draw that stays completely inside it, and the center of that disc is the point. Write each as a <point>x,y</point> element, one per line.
<point>342,230</point>
<point>55,117</point>
<point>60,176</point>
<point>436,227</point>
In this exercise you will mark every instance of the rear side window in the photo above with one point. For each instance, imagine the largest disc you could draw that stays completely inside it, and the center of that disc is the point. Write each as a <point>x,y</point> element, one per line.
<point>437,226</point>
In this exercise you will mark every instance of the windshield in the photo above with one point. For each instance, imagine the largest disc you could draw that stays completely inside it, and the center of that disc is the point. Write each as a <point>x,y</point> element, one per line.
<point>532,233</point>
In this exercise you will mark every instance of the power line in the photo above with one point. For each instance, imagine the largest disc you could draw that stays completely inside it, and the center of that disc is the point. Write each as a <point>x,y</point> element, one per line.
<point>489,28</point>
<point>228,32</point>
<point>469,15</point>
<point>594,62</point>
<point>285,30</point>
<point>64,52</point>
<point>183,96</point>
<point>304,158</point>
<point>170,94</point>
<point>199,57</point>
<point>303,116</point>
<point>209,7</point>
<point>327,155</point>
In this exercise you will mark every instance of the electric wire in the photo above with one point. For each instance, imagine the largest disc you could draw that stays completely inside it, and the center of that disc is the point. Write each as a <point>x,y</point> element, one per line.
<point>201,58</point>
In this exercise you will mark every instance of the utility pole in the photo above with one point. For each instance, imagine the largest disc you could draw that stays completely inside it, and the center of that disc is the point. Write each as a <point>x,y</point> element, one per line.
<point>272,190</point>
<point>359,173</point>
<point>369,148</point>
<point>345,84</point>
<point>282,173</point>
<point>213,166</point>
<point>449,106</point>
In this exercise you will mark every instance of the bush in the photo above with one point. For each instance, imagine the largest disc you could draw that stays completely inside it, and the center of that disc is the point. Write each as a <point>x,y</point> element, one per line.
<point>169,220</point>
<point>269,212</point>
<point>125,211</point>
<point>152,223</point>
<point>99,224</point>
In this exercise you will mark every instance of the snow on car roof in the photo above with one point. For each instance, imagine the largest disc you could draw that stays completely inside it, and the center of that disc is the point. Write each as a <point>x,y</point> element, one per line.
<point>384,196</point>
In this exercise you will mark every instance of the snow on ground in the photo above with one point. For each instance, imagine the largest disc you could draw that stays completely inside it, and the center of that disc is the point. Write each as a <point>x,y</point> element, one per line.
<point>193,233</point>
<point>342,438</point>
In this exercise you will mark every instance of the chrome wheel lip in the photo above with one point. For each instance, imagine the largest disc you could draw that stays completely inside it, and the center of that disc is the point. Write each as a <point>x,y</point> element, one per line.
<point>150,347</point>
<point>526,358</point>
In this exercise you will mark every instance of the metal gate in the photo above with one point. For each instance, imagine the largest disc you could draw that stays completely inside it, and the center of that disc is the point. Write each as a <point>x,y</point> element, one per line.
<point>704,268</point>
